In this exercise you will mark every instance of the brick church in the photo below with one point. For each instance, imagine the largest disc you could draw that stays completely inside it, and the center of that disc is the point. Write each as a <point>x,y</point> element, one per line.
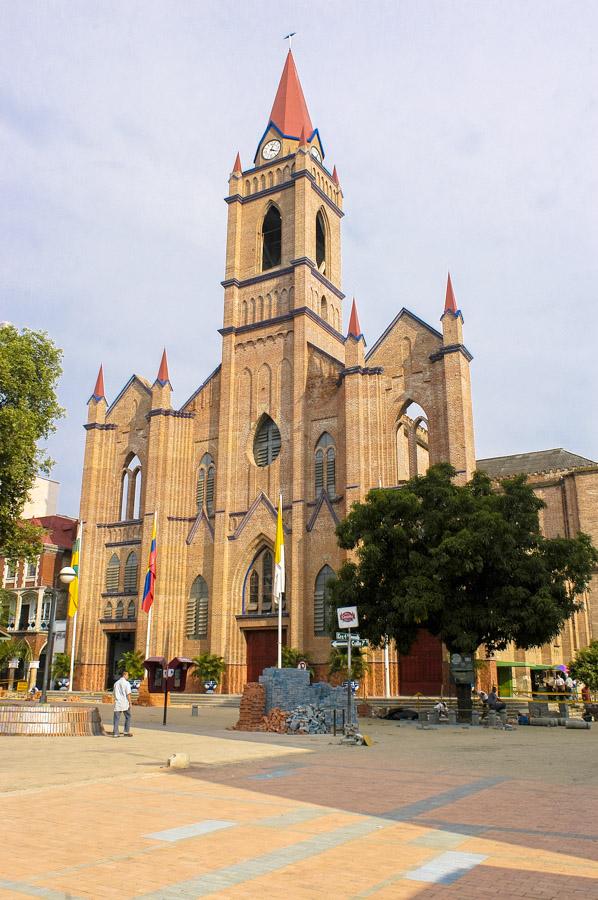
<point>296,407</point>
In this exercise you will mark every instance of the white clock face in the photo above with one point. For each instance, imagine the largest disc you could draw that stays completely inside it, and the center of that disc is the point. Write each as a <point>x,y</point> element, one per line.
<point>316,154</point>
<point>271,149</point>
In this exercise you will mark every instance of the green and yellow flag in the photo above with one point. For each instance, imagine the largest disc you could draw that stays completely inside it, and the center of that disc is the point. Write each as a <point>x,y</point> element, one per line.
<point>279,574</point>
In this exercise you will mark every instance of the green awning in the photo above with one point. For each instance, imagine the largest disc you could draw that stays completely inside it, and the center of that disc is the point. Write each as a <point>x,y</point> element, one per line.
<point>522,665</point>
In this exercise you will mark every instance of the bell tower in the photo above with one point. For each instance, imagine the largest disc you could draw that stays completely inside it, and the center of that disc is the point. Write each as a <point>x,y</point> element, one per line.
<point>283,253</point>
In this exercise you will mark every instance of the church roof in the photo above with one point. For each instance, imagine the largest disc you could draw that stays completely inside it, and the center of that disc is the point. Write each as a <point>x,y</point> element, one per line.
<point>289,112</point>
<point>354,326</point>
<point>534,463</point>
<point>98,391</point>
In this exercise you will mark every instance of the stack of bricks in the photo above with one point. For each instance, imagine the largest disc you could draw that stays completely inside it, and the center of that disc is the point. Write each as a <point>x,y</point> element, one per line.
<point>275,722</point>
<point>252,708</point>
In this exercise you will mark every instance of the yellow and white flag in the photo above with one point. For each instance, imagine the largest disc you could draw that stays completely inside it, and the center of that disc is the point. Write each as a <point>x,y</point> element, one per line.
<point>279,556</point>
<point>74,585</point>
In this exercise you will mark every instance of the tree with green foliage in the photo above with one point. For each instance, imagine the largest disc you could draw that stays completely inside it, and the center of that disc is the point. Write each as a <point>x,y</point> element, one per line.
<point>29,370</point>
<point>61,666</point>
<point>338,663</point>
<point>468,563</point>
<point>208,667</point>
<point>131,661</point>
<point>16,648</point>
<point>291,657</point>
<point>584,668</point>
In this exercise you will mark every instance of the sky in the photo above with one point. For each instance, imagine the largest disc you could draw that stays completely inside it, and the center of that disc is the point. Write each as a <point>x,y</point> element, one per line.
<point>465,135</point>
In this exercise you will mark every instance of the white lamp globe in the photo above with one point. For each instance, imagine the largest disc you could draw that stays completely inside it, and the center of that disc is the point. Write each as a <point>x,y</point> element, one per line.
<point>67,574</point>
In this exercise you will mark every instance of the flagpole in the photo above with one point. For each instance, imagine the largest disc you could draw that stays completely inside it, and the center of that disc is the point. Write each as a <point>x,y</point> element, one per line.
<point>279,576</point>
<point>74,637</point>
<point>280,632</point>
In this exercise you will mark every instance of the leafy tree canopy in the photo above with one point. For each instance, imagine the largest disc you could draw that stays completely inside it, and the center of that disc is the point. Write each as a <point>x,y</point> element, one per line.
<point>29,370</point>
<point>585,666</point>
<point>131,661</point>
<point>466,562</point>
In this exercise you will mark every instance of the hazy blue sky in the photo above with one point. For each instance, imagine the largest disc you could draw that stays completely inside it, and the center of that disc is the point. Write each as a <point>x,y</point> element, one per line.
<point>465,136</point>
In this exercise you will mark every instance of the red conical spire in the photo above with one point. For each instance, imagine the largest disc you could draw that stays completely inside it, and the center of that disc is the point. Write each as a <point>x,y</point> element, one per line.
<point>289,112</point>
<point>163,378</point>
<point>303,138</point>
<point>335,175</point>
<point>354,326</point>
<point>98,391</point>
<point>450,304</point>
<point>237,169</point>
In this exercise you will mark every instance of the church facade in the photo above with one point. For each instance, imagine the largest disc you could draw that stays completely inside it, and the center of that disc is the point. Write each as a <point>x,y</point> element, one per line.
<point>296,407</point>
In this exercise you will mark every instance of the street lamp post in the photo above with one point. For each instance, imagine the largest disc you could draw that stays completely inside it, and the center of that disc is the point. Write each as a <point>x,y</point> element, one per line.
<point>66,575</point>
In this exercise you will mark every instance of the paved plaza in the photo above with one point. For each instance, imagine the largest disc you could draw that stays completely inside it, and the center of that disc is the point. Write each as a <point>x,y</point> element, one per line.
<point>451,812</point>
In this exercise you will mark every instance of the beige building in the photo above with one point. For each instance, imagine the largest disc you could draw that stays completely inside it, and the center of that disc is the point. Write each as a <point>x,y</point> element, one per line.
<point>296,407</point>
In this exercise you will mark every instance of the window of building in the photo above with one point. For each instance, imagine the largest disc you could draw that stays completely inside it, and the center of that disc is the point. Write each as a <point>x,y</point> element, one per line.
<point>321,592</point>
<point>261,584</point>
<point>113,574</point>
<point>130,495</point>
<point>206,484</point>
<point>197,609</point>
<point>10,573</point>
<point>119,610</point>
<point>107,614</point>
<point>131,609</point>
<point>325,466</point>
<point>266,444</point>
<point>321,243</point>
<point>271,239</point>
<point>31,570</point>
<point>131,571</point>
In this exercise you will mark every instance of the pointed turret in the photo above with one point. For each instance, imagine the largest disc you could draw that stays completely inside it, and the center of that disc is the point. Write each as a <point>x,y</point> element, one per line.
<point>96,405</point>
<point>163,377</point>
<point>237,168</point>
<point>354,326</point>
<point>450,304</point>
<point>452,319</point>
<point>162,388</point>
<point>335,176</point>
<point>303,138</point>
<point>289,111</point>
<point>98,391</point>
<point>355,341</point>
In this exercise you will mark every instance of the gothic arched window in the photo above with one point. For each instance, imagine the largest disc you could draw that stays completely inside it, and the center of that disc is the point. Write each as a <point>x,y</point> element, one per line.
<point>113,574</point>
<point>324,309</point>
<point>206,479</point>
<point>266,444</point>
<point>197,609</point>
<point>107,614</point>
<point>321,243</point>
<point>261,583</point>
<point>130,494</point>
<point>131,567</point>
<point>320,597</point>
<point>271,239</point>
<point>325,466</point>
<point>131,610</point>
<point>120,610</point>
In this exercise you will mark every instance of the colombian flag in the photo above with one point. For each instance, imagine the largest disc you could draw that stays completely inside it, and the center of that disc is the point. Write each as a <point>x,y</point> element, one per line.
<point>150,578</point>
<point>74,585</point>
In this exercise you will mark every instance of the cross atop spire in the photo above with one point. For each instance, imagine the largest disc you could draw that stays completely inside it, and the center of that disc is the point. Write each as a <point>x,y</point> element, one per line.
<point>98,391</point>
<point>450,304</point>
<point>354,326</point>
<point>289,112</point>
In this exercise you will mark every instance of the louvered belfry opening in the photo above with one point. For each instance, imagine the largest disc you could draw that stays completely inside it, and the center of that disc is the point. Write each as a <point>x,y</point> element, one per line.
<point>320,243</point>
<point>197,609</point>
<point>271,239</point>
<point>266,444</point>
<point>320,598</point>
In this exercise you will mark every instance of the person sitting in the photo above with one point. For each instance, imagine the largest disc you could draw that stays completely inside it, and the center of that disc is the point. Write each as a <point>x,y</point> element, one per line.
<point>494,702</point>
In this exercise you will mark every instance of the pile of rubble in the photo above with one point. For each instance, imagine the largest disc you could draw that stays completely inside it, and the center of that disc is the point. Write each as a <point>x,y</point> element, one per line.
<point>252,708</point>
<point>307,720</point>
<point>275,722</point>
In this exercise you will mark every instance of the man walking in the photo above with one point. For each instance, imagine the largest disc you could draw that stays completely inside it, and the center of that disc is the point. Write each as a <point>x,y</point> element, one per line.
<point>122,692</point>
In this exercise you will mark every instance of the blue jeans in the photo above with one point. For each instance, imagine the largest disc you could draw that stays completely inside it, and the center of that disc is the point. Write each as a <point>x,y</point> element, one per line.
<point>127,715</point>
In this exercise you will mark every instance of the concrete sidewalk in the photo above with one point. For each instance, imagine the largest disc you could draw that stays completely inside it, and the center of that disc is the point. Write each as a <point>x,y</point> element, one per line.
<point>452,812</point>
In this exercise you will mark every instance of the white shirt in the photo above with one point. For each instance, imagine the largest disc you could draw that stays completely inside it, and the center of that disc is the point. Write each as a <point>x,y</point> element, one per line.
<point>122,689</point>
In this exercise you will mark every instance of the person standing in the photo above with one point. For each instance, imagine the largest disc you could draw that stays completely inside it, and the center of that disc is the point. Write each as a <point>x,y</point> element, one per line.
<point>122,692</point>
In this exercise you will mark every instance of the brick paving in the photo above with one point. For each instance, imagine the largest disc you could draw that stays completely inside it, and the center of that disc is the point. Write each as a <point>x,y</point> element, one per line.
<point>249,819</point>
